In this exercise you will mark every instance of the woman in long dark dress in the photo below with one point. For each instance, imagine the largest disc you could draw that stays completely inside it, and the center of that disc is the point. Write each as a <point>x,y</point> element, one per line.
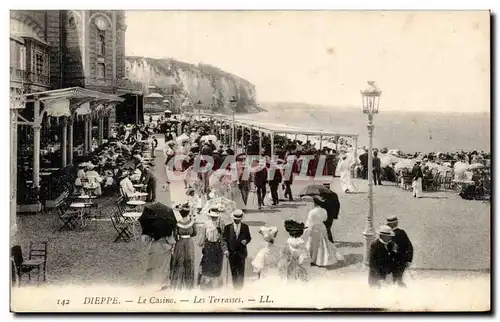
<point>182,266</point>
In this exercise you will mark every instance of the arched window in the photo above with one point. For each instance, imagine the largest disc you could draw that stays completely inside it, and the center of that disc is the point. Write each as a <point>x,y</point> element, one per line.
<point>101,45</point>
<point>101,71</point>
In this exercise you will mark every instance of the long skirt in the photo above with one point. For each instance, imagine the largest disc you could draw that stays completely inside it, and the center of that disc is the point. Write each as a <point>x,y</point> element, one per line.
<point>417,188</point>
<point>182,266</point>
<point>158,264</point>
<point>211,264</point>
<point>321,251</point>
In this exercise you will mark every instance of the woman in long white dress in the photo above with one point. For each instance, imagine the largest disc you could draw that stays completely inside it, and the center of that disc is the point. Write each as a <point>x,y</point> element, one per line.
<point>265,263</point>
<point>294,257</point>
<point>235,195</point>
<point>344,167</point>
<point>321,251</point>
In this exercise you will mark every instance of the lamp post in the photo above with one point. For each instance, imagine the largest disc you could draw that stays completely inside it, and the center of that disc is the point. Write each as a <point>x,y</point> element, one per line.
<point>234,103</point>
<point>371,98</point>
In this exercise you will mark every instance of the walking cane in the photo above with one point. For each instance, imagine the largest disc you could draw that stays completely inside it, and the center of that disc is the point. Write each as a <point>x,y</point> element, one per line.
<point>227,270</point>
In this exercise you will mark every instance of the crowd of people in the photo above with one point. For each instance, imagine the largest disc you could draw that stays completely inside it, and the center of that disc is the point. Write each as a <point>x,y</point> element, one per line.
<point>310,243</point>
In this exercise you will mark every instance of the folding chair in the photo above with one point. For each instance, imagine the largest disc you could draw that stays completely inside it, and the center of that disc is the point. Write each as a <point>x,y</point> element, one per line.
<point>122,226</point>
<point>67,216</point>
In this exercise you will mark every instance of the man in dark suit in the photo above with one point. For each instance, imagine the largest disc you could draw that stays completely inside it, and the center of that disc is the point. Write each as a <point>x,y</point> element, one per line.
<point>332,206</point>
<point>363,158</point>
<point>237,236</point>
<point>260,181</point>
<point>404,250</point>
<point>382,257</point>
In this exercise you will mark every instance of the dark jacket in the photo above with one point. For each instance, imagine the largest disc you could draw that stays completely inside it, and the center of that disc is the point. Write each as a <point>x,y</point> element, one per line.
<point>417,172</point>
<point>363,158</point>
<point>234,245</point>
<point>381,262</point>
<point>261,177</point>
<point>376,163</point>
<point>404,246</point>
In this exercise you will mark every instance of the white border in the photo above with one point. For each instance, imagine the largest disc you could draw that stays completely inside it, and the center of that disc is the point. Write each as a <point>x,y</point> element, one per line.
<point>192,4</point>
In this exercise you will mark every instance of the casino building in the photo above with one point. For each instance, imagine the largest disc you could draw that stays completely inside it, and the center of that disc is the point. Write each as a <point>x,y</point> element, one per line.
<point>67,75</point>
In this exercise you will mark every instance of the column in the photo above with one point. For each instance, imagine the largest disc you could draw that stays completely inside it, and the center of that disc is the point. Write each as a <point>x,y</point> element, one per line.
<point>37,126</point>
<point>101,131</point>
<point>13,174</point>
<point>272,146</point>
<point>320,142</point>
<point>356,149</point>
<point>64,135</point>
<point>86,135</point>
<point>260,142</point>
<point>109,123</point>
<point>70,140</point>
<point>90,133</point>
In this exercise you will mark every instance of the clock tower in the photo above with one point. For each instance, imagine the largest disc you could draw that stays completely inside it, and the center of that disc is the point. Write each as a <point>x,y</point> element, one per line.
<point>96,53</point>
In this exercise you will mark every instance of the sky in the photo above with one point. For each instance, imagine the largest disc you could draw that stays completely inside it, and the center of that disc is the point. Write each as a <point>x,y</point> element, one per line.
<point>422,61</point>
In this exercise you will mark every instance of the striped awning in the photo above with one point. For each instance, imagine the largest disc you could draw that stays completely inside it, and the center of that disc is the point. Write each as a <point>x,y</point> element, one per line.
<point>72,92</point>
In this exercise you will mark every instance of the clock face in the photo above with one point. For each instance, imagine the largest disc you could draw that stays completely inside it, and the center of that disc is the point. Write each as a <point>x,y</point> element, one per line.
<point>101,23</point>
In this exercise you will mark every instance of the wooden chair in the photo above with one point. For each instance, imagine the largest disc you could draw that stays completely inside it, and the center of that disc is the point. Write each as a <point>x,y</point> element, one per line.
<point>447,181</point>
<point>407,179</point>
<point>37,260</point>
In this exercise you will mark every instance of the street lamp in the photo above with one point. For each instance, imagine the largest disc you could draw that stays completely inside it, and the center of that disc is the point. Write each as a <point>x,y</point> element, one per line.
<point>234,103</point>
<point>371,98</point>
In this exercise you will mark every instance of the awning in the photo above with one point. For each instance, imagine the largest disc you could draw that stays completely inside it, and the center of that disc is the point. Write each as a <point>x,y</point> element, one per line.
<point>58,102</point>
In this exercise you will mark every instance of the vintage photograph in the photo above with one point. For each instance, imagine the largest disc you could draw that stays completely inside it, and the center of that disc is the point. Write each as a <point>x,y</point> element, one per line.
<point>249,161</point>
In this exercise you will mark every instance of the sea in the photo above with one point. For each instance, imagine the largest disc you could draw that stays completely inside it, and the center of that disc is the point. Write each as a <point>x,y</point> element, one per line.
<point>409,132</point>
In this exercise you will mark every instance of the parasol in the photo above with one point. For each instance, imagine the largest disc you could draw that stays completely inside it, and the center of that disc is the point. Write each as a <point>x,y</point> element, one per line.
<point>475,166</point>
<point>226,204</point>
<point>404,164</point>
<point>388,159</point>
<point>207,138</point>
<point>183,137</point>
<point>157,221</point>
<point>315,190</point>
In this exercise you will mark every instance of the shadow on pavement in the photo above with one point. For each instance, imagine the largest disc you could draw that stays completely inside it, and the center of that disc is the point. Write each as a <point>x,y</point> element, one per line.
<point>430,197</point>
<point>263,211</point>
<point>254,223</point>
<point>340,244</point>
<point>349,259</point>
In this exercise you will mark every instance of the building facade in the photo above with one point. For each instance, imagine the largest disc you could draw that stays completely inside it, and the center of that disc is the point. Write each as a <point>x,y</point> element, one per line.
<point>56,49</point>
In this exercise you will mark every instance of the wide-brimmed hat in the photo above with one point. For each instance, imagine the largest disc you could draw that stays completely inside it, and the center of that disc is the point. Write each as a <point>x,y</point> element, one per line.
<point>82,165</point>
<point>215,211</point>
<point>90,166</point>
<point>392,220</point>
<point>386,231</point>
<point>184,211</point>
<point>237,214</point>
<point>269,233</point>
<point>189,191</point>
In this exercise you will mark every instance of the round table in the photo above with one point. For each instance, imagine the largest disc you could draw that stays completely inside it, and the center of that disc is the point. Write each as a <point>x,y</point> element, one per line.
<point>136,203</point>
<point>133,217</point>
<point>82,206</point>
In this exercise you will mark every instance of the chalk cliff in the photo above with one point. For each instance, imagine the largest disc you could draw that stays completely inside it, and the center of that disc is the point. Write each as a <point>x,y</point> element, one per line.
<point>185,84</point>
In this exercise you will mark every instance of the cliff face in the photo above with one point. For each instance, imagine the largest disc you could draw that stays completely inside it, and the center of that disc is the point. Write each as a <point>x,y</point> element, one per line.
<point>179,81</point>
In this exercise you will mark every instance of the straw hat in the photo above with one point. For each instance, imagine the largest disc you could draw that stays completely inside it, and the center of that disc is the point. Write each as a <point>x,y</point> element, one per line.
<point>90,166</point>
<point>392,220</point>
<point>237,214</point>
<point>386,231</point>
